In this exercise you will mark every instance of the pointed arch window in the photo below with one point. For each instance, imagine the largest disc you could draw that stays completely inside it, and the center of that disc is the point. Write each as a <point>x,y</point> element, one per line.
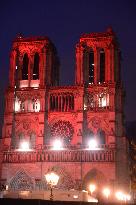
<point>89,136</point>
<point>19,139</point>
<point>32,140</point>
<point>25,67</point>
<point>91,66</point>
<point>101,137</point>
<point>36,67</point>
<point>102,66</point>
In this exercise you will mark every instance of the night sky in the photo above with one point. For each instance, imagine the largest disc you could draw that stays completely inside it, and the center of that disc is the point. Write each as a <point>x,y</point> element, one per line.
<point>63,21</point>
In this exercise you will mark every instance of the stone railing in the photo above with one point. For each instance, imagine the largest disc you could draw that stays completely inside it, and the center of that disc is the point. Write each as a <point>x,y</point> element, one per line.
<point>97,108</point>
<point>59,156</point>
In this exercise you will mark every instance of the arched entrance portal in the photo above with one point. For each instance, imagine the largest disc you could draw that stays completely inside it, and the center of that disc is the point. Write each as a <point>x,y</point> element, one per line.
<point>21,181</point>
<point>94,176</point>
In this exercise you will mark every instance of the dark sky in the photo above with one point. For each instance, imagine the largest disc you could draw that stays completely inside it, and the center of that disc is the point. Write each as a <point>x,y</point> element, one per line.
<point>63,21</point>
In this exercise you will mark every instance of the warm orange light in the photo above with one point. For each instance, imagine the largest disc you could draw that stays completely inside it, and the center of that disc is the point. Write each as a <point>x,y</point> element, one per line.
<point>119,195</point>
<point>52,178</point>
<point>106,192</point>
<point>92,188</point>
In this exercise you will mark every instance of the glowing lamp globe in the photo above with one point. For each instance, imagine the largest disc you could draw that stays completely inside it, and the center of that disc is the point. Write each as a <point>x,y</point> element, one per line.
<point>52,178</point>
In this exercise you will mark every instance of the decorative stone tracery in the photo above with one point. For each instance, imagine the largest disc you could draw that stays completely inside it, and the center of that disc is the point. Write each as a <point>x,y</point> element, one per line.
<point>63,130</point>
<point>21,181</point>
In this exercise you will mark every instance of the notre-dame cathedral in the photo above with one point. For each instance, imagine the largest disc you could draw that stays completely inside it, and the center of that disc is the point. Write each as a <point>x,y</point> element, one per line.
<point>39,111</point>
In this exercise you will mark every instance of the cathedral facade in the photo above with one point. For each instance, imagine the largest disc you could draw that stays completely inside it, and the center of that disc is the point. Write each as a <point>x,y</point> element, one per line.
<point>87,117</point>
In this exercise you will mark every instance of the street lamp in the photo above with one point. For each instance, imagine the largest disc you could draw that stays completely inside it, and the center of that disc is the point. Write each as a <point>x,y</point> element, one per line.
<point>52,179</point>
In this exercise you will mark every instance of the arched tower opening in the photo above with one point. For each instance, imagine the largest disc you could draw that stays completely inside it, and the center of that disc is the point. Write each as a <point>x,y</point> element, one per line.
<point>102,66</point>
<point>25,67</point>
<point>91,66</point>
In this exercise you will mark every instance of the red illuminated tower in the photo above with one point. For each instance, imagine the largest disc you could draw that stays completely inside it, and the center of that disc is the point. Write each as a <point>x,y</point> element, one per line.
<point>34,66</point>
<point>87,114</point>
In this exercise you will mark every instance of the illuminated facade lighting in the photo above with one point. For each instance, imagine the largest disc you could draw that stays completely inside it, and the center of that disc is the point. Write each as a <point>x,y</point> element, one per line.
<point>92,144</point>
<point>24,146</point>
<point>57,145</point>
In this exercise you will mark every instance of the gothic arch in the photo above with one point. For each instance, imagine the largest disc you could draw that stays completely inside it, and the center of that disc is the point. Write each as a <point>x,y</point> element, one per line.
<point>21,181</point>
<point>91,65</point>
<point>32,139</point>
<point>101,136</point>
<point>89,136</point>
<point>25,67</point>
<point>102,65</point>
<point>19,138</point>
<point>65,181</point>
<point>94,176</point>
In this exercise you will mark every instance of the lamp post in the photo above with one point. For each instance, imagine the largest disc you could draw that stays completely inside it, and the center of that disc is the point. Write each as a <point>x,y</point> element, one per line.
<point>52,179</point>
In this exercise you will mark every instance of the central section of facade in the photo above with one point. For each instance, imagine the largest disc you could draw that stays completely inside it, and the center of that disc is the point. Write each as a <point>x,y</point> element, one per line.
<point>87,118</point>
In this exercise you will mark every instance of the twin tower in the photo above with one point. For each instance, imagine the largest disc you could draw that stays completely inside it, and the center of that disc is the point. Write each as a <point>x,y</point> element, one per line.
<point>97,61</point>
<point>39,111</point>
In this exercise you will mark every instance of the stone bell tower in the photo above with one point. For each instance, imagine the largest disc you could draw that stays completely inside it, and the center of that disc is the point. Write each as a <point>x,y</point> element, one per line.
<point>34,66</point>
<point>97,59</point>
<point>98,69</point>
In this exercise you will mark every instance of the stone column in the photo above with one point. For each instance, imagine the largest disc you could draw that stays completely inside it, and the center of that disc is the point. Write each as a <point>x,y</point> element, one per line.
<point>49,68</point>
<point>107,65</point>
<point>42,68</point>
<point>30,69</point>
<point>79,65</point>
<point>112,64</point>
<point>12,68</point>
<point>96,66</point>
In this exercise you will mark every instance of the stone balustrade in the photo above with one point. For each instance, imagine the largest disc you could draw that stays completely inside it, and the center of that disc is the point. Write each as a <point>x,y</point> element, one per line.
<point>59,156</point>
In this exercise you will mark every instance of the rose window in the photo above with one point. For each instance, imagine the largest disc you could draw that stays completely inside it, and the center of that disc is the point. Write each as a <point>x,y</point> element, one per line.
<point>62,130</point>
